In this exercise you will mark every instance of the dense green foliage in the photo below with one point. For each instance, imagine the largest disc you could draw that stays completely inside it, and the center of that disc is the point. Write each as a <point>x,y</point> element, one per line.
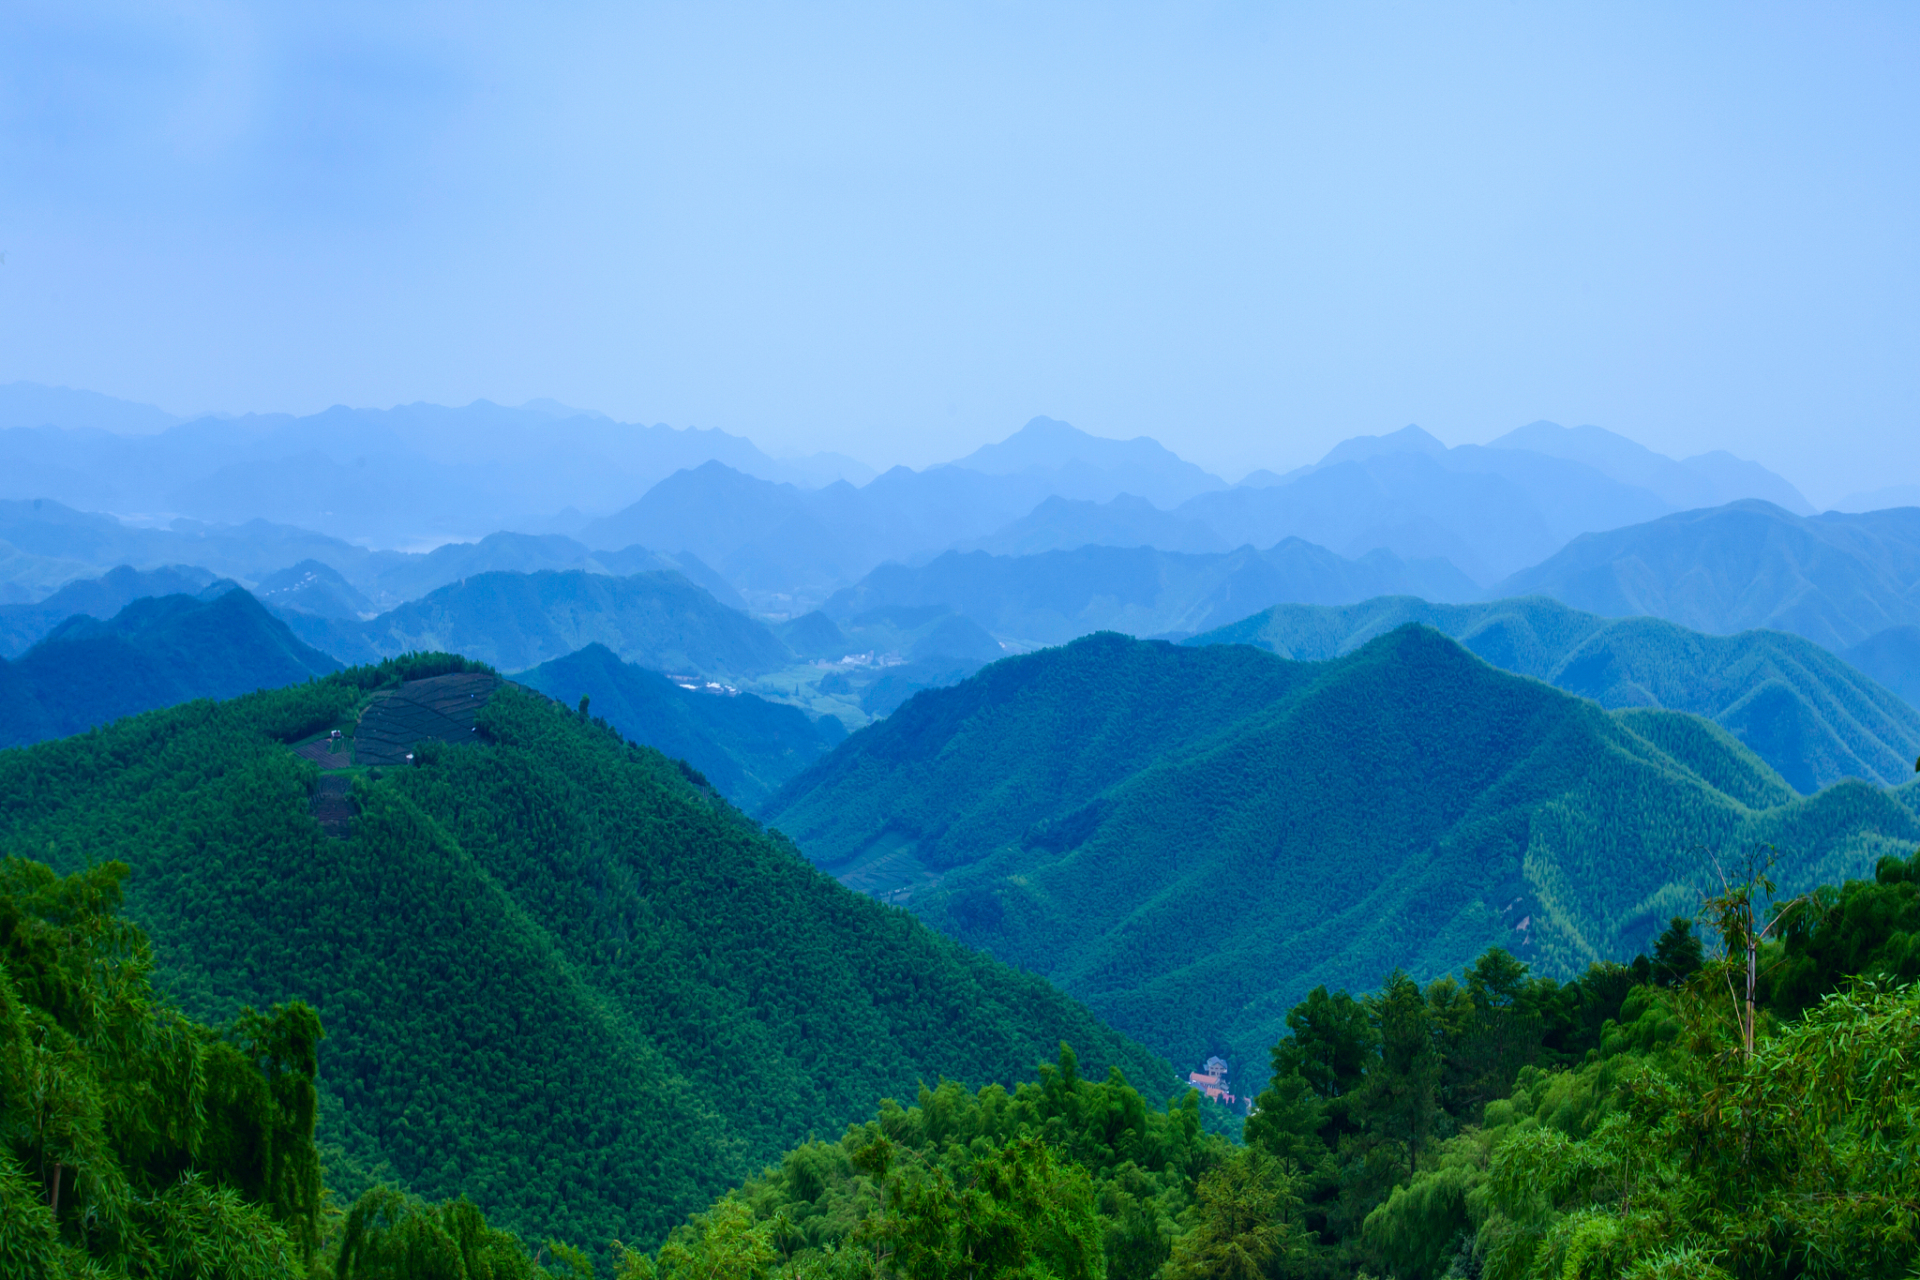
<point>1805,712</point>
<point>745,746</point>
<point>1062,1176</point>
<point>133,1141</point>
<point>558,975</point>
<point>512,621</point>
<point>1498,1125</point>
<point>1190,839</point>
<point>155,652</point>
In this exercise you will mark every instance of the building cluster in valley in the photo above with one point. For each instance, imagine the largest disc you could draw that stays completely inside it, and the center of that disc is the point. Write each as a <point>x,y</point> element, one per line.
<point>1212,1081</point>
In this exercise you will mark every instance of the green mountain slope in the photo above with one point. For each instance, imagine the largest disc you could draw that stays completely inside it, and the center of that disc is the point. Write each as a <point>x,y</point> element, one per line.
<point>1189,839</point>
<point>517,620</point>
<point>556,976</point>
<point>745,746</point>
<point>1810,715</point>
<point>155,652</point>
<point>1835,578</point>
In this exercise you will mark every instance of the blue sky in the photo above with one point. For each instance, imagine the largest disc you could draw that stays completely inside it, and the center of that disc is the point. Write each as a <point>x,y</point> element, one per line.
<point>899,231</point>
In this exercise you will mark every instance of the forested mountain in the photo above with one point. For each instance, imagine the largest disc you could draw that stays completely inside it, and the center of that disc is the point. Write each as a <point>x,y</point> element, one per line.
<point>555,975</point>
<point>1057,595</point>
<point>517,620</point>
<point>1810,715</point>
<point>746,747</point>
<point>1834,578</point>
<point>1189,839</point>
<point>23,624</point>
<point>158,651</point>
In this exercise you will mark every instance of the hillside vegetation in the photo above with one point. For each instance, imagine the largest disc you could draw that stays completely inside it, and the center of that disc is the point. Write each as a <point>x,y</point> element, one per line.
<point>1810,715</point>
<point>745,746</point>
<point>1633,1124</point>
<point>1189,839</point>
<point>557,975</point>
<point>156,652</point>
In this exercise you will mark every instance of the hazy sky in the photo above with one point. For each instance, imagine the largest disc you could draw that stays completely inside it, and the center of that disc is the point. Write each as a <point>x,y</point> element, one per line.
<point>898,231</point>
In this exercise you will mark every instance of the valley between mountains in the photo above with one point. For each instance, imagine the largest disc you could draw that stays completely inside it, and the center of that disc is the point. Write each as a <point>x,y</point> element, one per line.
<point>761,878</point>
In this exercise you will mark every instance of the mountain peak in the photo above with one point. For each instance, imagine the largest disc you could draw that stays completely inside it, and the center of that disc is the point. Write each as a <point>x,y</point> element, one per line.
<point>1408,439</point>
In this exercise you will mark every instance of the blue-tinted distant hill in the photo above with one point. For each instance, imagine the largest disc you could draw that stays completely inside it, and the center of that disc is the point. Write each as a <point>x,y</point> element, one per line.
<point>1705,480</point>
<point>386,476</point>
<point>23,624</point>
<point>1811,716</point>
<point>1489,511</point>
<point>156,652</point>
<point>746,747</point>
<point>1892,657</point>
<point>1189,839</point>
<point>1834,578</point>
<point>44,545</point>
<point>1057,595</point>
<point>1062,524</point>
<point>1075,465</point>
<point>513,621</point>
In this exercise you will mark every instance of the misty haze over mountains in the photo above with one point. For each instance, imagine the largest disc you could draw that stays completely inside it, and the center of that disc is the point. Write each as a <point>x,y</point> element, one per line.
<point>419,476</point>
<point>521,535</point>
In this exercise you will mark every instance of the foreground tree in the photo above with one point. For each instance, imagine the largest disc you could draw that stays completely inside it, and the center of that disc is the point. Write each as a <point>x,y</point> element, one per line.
<point>132,1140</point>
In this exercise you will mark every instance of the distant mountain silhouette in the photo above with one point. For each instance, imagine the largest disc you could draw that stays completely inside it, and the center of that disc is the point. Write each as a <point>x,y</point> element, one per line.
<point>389,476</point>
<point>1835,579</point>
<point>1057,595</point>
<point>57,544</point>
<point>397,579</point>
<point>1811,716</point>
<point>1708,480</point>
<point>513,621</point>
<point>746,746</point>
<point>1080,466</point>
<point>1489,511</point>
<point>29,404</point>
<point>156,652</point>
<point>1061,524</point>
<point>21,625</point>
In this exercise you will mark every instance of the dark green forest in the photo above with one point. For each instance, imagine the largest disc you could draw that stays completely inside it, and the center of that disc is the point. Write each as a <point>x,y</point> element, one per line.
<point>1664,1118</point>
<point>1748,1115</point>
<point>558,973</point>
<point>1191,839</point>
